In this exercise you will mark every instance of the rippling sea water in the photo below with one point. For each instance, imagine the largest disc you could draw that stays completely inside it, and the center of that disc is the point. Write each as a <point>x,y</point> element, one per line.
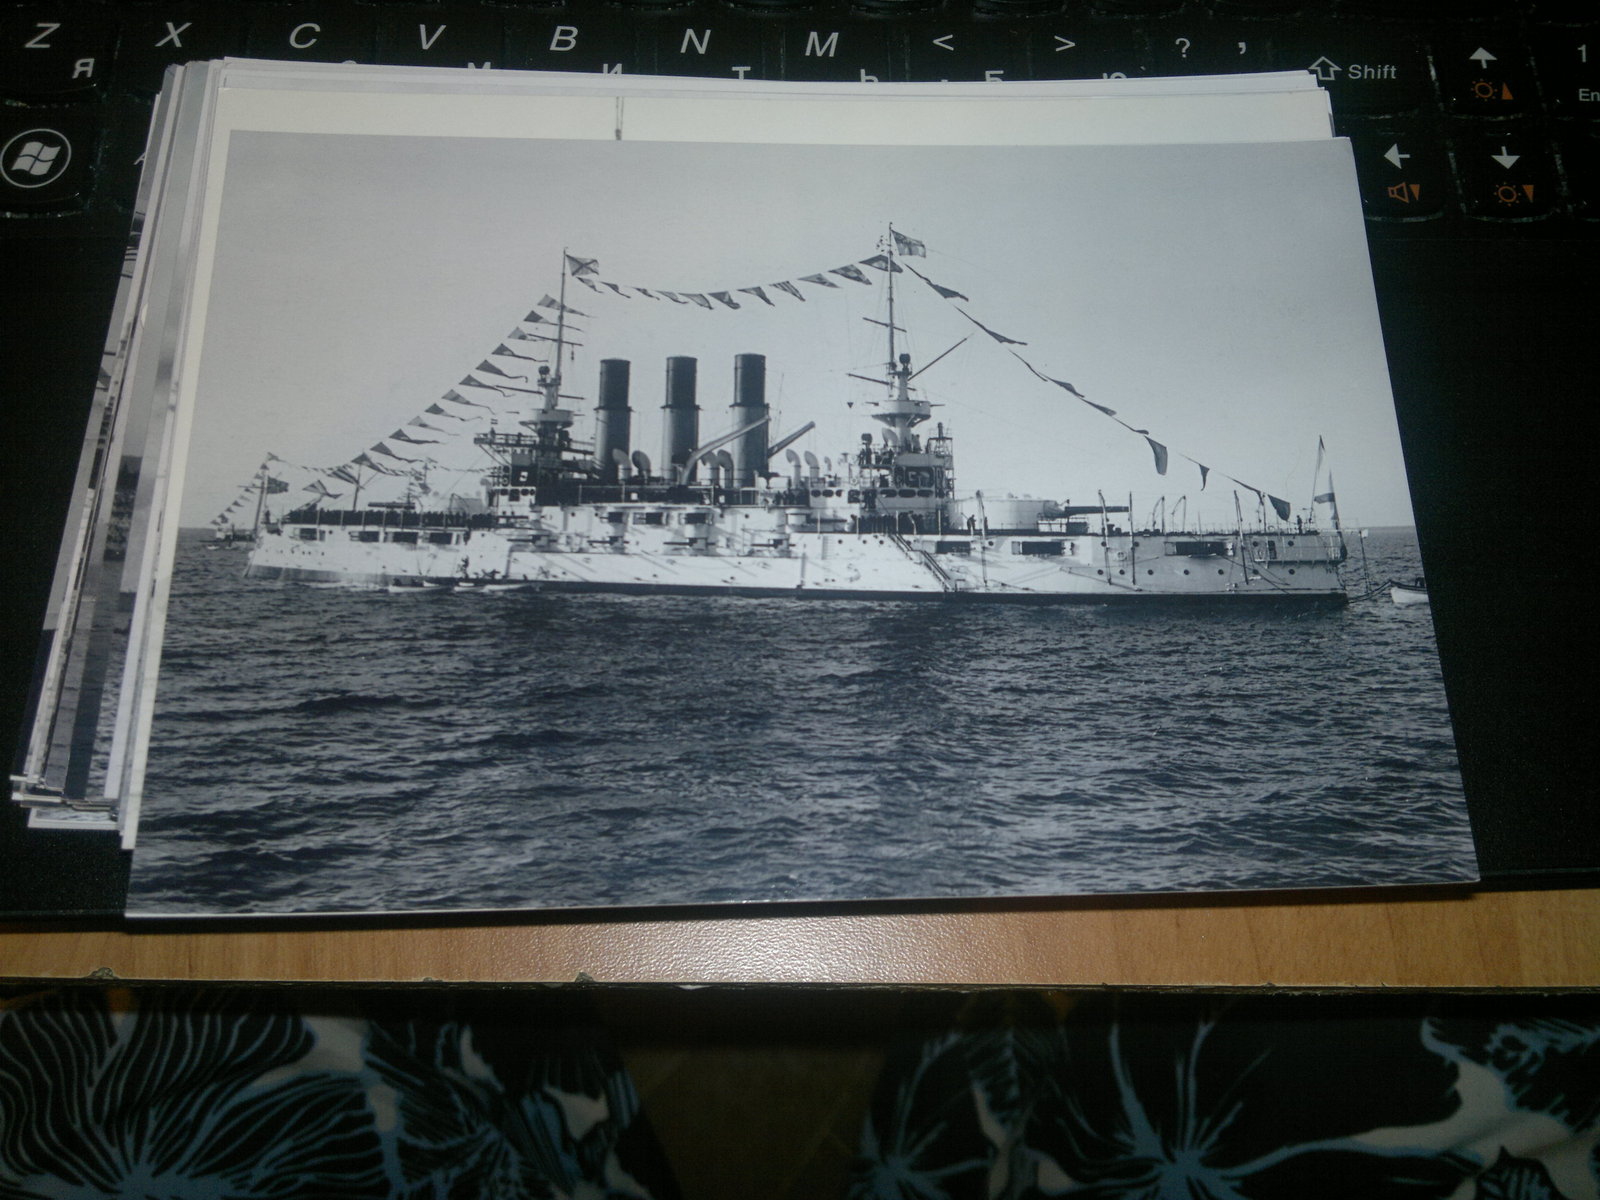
<point>336,751</point>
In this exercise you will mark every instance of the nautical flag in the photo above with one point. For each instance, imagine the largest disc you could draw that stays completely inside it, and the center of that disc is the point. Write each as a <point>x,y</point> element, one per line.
<point>1130,428</point>
<point>822,279</point>
<point>276,486</point>
<point>758,293</point>
<point>647,293</point>
<point>786,286</point>
<point>674,297</point>
<point>1160,451</point>
<point>367,462</point>
<point>488,368</point>
<point>400,435</point>
<point>853,272</point>
<point>456,397</point>
<point>617,288</point>
<point>274,458</point>
<point>551,302</point>
<point>908,246</point>
<point>344,473</point>
<point>421,424</point>
<point>1205,473</point>
<point>947,293</point>
<point>535,318</point>
<point>508,352</point>
<point>999,337</point>
<point>725,298</point>
<point>579,267</point>
<point>1281,507</point>
<point>380,448</point>
<point>586,283</point>
<point>317,488</point>
<point>697,298</point>
<point>881,261</point>
<point>518,335</point>
<point>445,412</point>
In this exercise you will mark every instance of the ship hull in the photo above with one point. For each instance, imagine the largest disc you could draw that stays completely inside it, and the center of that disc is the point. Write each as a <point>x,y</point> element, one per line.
<point>757,554</point>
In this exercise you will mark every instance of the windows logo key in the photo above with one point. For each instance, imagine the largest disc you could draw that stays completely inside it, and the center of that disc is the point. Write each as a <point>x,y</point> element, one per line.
<point>34,159</point>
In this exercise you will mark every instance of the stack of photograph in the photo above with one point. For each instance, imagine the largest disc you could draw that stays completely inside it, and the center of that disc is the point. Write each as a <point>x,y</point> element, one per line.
<point>518,491</point>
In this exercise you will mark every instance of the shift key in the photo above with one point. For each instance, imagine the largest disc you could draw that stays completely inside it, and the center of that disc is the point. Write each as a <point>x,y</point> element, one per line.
<point>1365,75</point>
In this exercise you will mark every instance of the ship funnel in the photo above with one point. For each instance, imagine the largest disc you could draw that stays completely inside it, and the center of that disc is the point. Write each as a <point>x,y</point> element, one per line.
<point>612,417</point>
<point>680,418</point>
<point>749,406</point>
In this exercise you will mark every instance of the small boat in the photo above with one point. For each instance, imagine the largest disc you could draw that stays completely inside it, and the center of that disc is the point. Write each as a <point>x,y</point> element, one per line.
<point>488,587</point>
<point>1415,592</point>
<point>410,586</point>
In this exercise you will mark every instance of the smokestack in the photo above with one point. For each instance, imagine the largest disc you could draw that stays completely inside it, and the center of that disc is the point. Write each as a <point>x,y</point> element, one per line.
<point>749,404</point>
<point>612,417</point>
<point>680,416</point>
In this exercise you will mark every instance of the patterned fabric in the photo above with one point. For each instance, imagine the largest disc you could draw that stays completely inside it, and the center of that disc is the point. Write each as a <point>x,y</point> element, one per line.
<point>179,1095</point>
<point>1183,1098</point>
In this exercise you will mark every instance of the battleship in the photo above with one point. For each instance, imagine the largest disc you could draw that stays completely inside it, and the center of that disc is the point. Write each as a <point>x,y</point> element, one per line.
<point>744,514</point>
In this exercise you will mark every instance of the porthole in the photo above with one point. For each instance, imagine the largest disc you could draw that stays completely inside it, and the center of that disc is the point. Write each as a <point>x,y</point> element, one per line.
<point>1186,570</point>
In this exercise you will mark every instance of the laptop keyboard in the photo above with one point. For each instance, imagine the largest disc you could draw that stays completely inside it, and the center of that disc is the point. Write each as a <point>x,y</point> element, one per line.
<point>1467,117</point>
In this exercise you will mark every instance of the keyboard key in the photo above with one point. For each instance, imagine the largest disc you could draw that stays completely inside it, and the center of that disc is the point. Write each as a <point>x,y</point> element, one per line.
<point>1403,175</point>
<point>1580,160</point>
<point>1368,70</point>
<point>420,36</point>
<point>1084,49</point>
<point>714,44</point>
<point>952,49</point>
<point>154,38</point>
<point>46,53</point>
<point>1195,45</point>
<point>1486,73</point>
<point>45,157</point>
<point>1568,61</point>
<point>836,50</point>
<point>122,148</point>
<point>592,40</point>
<point>1506,176</point>
<point>314,33</point>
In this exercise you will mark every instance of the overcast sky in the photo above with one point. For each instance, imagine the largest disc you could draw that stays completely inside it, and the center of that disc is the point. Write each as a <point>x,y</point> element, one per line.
<point>1218,296</point>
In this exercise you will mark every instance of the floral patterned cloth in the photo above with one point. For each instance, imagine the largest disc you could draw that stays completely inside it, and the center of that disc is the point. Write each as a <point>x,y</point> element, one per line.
<point>183,1095</point>
<point>1272,1098</point>
<point>168,1094</point>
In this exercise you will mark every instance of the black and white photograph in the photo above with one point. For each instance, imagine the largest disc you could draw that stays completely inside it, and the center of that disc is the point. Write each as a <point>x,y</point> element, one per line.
<point>571,524</point>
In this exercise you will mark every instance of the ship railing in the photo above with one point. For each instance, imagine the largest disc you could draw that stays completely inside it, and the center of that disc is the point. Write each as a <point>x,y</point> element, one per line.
<point>391,518</point>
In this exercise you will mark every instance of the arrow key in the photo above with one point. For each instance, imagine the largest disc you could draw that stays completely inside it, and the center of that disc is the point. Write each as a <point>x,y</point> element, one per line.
<point>1506,178</point>
<point>1487,74</point>
<point>1402,178</point>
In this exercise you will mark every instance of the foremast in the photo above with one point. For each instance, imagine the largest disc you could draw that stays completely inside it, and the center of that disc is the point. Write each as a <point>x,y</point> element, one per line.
<point>906,472</point>
<point>537,467</point>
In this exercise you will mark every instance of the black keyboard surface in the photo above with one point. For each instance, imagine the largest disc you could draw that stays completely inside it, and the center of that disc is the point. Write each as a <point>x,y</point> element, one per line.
<point>1476,129</point>
<point>1466,115</point>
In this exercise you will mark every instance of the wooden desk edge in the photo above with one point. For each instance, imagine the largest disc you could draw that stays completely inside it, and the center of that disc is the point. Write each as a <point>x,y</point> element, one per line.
<point>1539,939</point>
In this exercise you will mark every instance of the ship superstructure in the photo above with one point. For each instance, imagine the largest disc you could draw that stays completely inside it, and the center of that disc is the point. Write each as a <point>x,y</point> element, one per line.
<point>744,513</point>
